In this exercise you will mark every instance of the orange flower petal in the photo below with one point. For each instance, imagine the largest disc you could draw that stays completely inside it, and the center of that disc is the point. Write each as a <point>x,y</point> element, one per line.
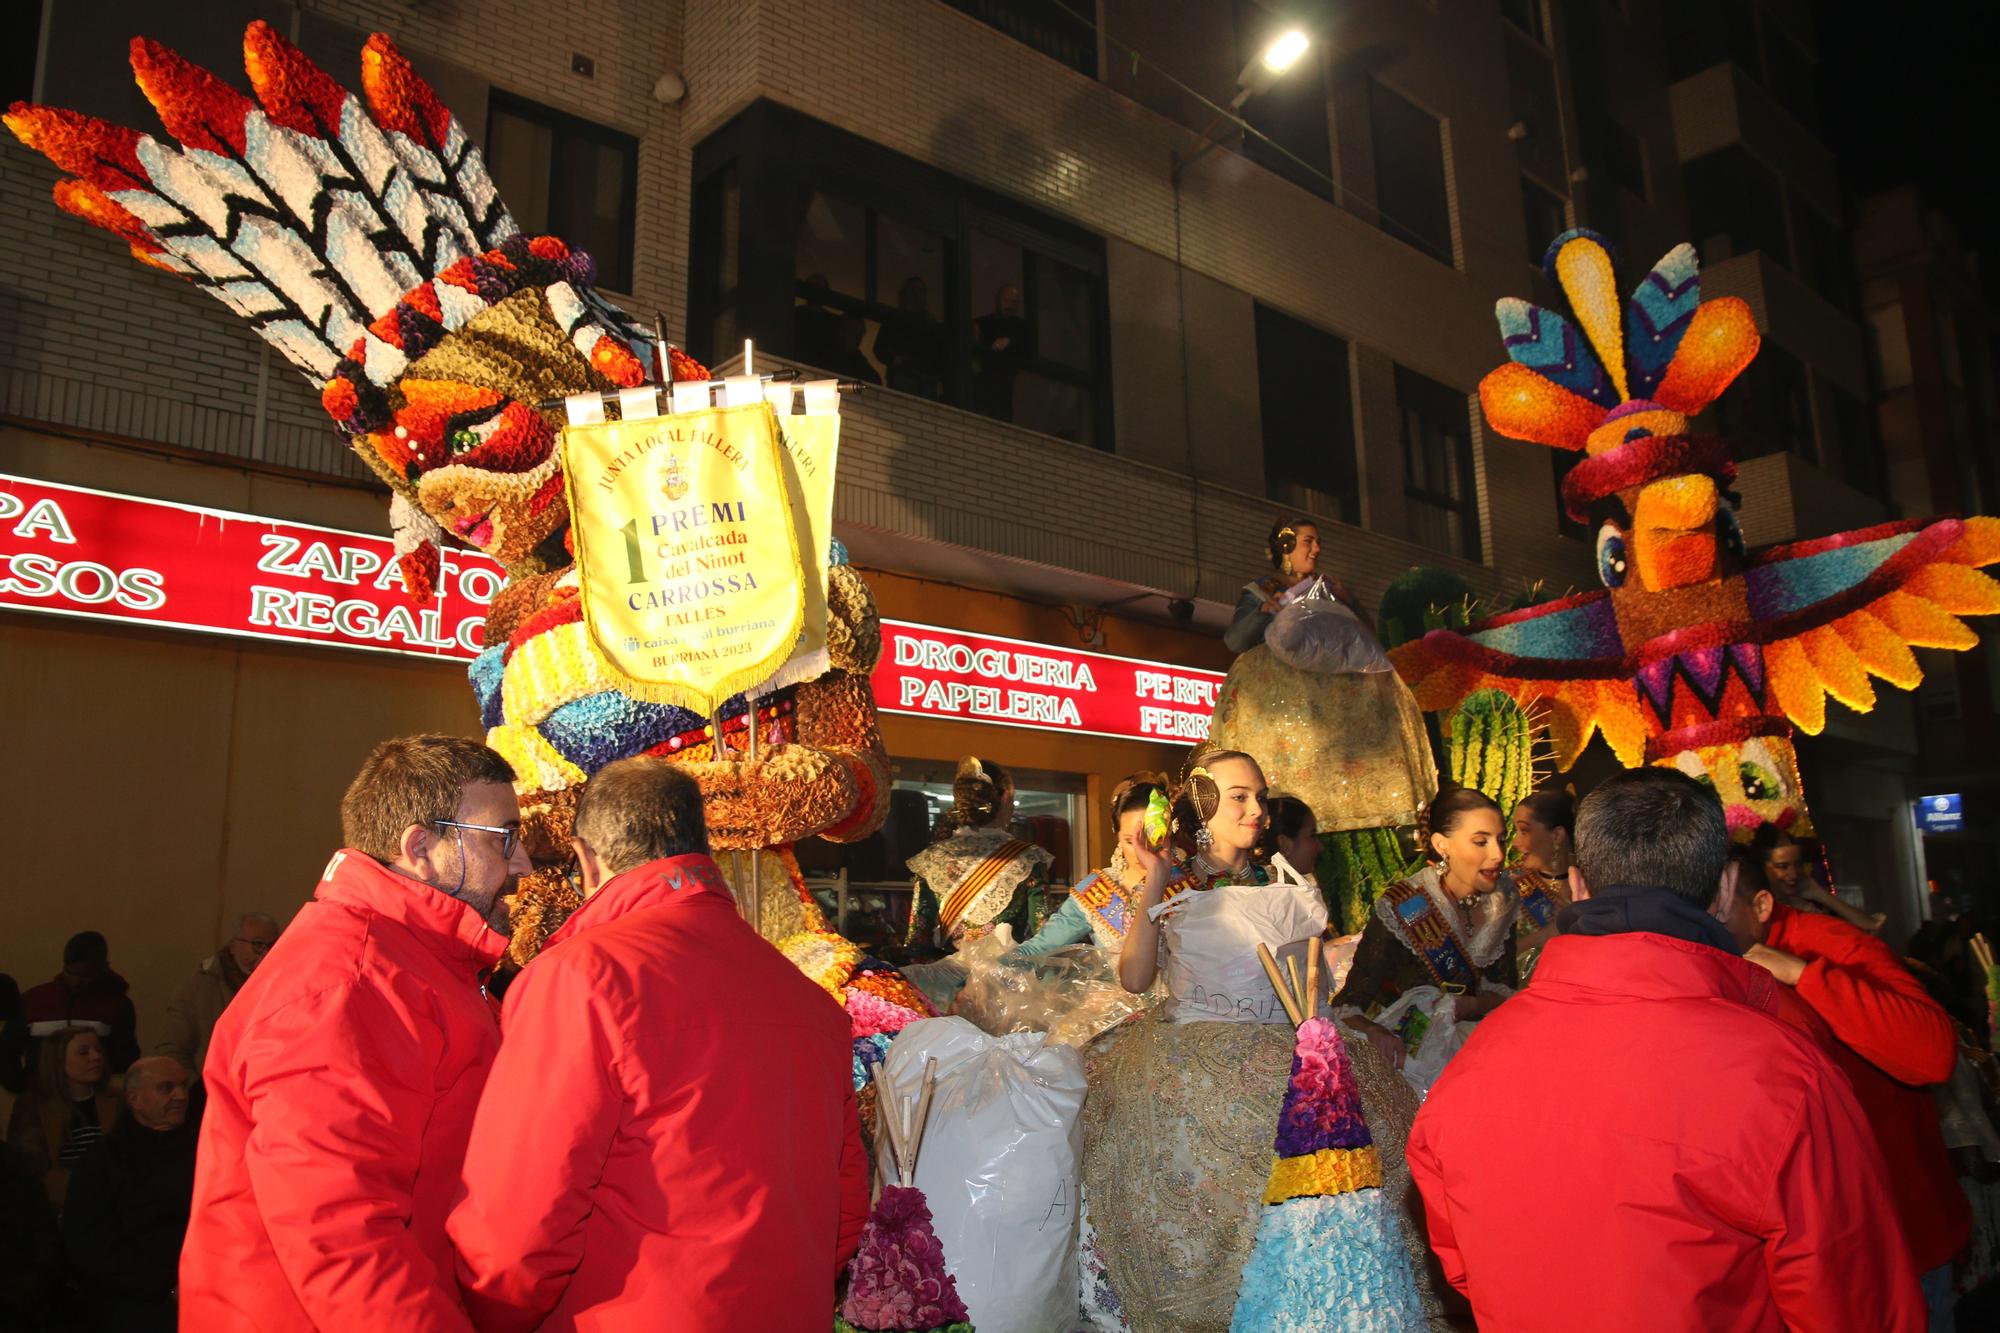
<point>1880,649</point>
<point>1959,589</point>
<point>1523,406</point>
<point>1979,544</point>
<point>1795,685</point>
<point>1840,671</point>
<point>1720,341</point>
<point>1922,623</point>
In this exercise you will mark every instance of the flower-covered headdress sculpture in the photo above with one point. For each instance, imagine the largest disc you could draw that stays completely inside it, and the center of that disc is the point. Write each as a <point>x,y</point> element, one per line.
<point>1695,653</point>
<point>362,237</point>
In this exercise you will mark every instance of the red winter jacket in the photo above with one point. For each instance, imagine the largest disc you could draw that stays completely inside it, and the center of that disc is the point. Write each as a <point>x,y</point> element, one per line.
<point>341,1085</point>
<point>1636,1142</point>
<point>669,1139</point>
<point>1889,1035</point>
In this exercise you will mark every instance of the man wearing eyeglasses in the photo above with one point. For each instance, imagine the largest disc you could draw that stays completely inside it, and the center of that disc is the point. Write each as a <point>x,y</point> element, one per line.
<point>193,1012</point>
<point>343,1076</point>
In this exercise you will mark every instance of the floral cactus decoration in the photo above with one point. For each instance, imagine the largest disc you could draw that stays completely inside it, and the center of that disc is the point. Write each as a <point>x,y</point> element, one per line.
<point>1696,653</point>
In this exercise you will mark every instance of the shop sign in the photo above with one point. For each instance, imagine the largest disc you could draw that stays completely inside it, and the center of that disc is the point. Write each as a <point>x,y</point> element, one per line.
<point>929,671</point>
<point>69,551</point>
<point>1941,814</point>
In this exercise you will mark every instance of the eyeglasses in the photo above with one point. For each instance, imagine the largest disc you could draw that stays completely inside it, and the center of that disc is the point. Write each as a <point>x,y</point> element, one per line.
<point>508,835</point>
<point>256,946</point>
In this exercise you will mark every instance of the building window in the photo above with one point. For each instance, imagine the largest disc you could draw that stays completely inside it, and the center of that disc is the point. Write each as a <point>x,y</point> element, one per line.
<point>1442,502</point>
<point>1410,191</point>
<point>1527,16</point>
<point>1611,150</point>
<point>1704,33</point>
<point>1305,396</point>
<point>565,176</point>
<point>858,261</point>
<point>1857,444</point>
<point>1056,28</point>
<point>1768,410</point>
<point>1291,115</point>
<point>1734,207</point>
<point>1823,259</point>
<point>1788,73</point>
<point>1536,107</point>
<point>1546,217</point>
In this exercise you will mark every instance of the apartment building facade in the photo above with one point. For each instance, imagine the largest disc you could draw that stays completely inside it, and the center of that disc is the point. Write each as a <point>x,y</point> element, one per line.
<point>1116,334</point>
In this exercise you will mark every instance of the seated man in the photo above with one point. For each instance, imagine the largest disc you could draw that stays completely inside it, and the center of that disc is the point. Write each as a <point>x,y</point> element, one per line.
<point>1891,1039</point>
<point>1705,1163</point>
<point>197,1006</point>
<point>127,1209</point>
<point>669,1137</point>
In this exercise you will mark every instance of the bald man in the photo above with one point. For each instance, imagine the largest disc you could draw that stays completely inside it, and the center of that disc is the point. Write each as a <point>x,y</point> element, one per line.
<point>127,1210</point>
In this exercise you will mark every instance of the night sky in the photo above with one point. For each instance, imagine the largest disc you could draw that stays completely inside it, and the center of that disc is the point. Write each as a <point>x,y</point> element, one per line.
<point>1914,95</point>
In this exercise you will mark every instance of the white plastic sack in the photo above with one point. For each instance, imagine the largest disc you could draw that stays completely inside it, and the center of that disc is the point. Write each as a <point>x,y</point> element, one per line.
<point>1211,964</point>
<point>1422,1015</point>
<point>999,1167</point>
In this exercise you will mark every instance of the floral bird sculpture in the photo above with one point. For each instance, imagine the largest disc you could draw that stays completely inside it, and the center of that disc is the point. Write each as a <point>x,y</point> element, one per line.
<point>1696,653</point>
<point>363,238</point>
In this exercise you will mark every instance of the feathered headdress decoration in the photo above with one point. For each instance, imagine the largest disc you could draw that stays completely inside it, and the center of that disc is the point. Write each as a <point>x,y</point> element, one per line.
<point>1662,350</point>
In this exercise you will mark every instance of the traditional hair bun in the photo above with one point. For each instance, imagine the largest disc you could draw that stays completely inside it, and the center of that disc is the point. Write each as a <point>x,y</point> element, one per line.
<point>977,792</point>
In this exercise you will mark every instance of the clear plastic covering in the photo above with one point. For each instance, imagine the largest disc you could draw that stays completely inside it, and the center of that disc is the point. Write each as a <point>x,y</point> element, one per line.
<point>1317,633</point>
<point>1072,994</point>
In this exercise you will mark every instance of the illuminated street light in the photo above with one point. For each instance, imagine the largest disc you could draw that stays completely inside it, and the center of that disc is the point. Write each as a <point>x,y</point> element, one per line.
<point>1284,52</point>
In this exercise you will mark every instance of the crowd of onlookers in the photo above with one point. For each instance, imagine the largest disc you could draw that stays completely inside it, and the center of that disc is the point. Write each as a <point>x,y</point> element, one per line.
<point>99,1156</point>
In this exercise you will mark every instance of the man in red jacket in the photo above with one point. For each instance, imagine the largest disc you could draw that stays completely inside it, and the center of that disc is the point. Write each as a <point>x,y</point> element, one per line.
<point>343,1076</point>
<point>1637,1141</point>
<point>669,1139</point>
<point>1891,1039</point>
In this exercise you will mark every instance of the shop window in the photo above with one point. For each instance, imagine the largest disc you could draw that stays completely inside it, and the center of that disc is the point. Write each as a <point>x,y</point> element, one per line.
<point>1291,114</point>
<point>1441,500</point>
<point>1526,16</point>
<point>1305,396</point>
<point>1059,29</point>
<point>1411,196</point>
<point>565,176</point>
<point>865,887</point>
<point>1546,217</point>
<point>1734,207</point>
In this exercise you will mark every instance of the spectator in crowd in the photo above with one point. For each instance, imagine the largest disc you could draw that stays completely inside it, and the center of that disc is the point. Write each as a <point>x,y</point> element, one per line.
<point>669,1139</point>
<point>1000,341</point>
<point>1788,869</point>
<point>65,1111</point>
<point>192,1013</point>
<point>13,1045</point>
<point>341,1085</point>
<point>86,993</point>
<point>1715,1168</point>
<point>128,1203</point>
<point>1892,1040</point>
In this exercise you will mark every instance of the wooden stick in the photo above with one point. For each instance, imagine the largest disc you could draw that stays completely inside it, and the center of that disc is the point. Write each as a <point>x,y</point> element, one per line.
<point>1312,978</point>
<point>1298,987</point>
<point>886,1115</point>
<point>1982,951</point>
<point>1278,983</point>
<point>923,1113</point>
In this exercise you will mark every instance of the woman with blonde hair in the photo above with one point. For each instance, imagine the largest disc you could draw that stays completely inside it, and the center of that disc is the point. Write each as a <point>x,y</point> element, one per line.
<point>68,1108</point>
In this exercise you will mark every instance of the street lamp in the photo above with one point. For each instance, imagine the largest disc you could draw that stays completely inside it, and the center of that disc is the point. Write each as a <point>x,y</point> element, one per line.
<point>1279,55</point>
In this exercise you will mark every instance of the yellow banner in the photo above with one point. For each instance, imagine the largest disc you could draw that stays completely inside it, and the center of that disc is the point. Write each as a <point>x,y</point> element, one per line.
<point>688,551</point>
<point>812,447</point>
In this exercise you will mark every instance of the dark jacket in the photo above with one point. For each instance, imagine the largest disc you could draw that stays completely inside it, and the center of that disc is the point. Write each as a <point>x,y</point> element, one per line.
<point>103,1005</point>
<point>126,1217</point>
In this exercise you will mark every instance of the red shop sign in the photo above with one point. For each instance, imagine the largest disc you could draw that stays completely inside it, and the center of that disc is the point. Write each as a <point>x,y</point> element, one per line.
<point>68,551</point>
<point>933,672</point>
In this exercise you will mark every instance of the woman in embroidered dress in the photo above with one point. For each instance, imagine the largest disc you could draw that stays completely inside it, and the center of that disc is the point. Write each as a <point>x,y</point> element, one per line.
<point>975,877</point>
<point>1293,550</point>
<point>1544,833</point>
<point>1099,909</point>
<point>1177,1127</point>
<point>1450,925</point>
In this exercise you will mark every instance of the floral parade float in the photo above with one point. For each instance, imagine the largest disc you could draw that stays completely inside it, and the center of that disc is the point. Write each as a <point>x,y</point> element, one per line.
<point>1696,653</point>
<point>363,238</point>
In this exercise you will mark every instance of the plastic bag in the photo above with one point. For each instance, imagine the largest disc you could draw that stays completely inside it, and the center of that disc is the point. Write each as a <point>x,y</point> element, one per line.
<point>1422,1017</point>
<point>1212,935</point>
<point>998,1165</point>
<point>1317,634</point>
<point>1072,994</point>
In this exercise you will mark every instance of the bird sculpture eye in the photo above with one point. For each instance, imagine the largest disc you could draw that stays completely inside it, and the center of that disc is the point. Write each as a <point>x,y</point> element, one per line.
<point>1759,782</point>
<point>1611,556</point>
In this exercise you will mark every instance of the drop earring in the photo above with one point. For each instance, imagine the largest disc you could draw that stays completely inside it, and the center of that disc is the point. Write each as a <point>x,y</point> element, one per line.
<point>1203,839</point>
